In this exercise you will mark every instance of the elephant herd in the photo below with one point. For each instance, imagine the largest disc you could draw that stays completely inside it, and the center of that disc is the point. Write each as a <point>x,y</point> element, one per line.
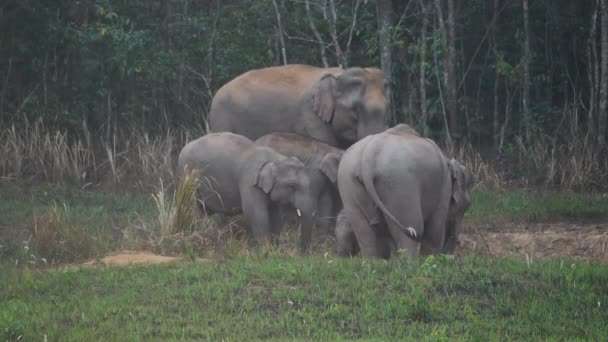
<point>312,143</point>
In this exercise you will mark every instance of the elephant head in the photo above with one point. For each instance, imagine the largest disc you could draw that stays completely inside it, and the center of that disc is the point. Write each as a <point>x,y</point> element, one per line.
<point>460,200</point>
<point>287,181</point>
<point>352,102</point>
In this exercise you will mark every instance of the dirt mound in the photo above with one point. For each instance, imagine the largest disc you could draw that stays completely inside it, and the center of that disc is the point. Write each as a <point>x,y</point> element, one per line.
<point>124,258</point>
<point>540,241</point>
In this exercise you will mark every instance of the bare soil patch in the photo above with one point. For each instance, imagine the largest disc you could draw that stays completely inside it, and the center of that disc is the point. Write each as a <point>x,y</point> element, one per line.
<point>540,241</point>
<point>585,242</point>
<point>124,258</point>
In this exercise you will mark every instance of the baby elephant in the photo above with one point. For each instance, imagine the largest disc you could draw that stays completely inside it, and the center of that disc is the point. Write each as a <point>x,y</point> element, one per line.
<point>398,188</point>
<point>238,176</point>
<point>324,160</point>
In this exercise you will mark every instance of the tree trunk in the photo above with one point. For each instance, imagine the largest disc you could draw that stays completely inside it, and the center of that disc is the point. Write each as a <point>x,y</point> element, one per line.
<point>603,112</point>
<point>423,51</point>
<point>315,31</point>
<point>385,23</point>
<point>592,73</point>
<point>444,39</point>
<point>450,72</point>
<point>334,34</point>
<point>495,125</point>
<point>280,31</point>
<point>526,71</point>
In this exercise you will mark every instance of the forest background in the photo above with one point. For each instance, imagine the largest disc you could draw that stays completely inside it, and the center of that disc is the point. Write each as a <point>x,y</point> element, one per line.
<point>519,83</point>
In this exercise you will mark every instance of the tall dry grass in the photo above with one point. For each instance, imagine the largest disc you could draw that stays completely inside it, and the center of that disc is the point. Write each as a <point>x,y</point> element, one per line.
<point>134,157</point>
<point>131,156</point>
<point>574,164</point>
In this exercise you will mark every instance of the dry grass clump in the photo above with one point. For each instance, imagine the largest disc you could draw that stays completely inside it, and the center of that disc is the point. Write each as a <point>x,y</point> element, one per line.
<point>56,237</point>
<point>34,151</point>
<point>127,156</point>
<point>132,156</point>
<point>577,164</point>
<point>546,162</point>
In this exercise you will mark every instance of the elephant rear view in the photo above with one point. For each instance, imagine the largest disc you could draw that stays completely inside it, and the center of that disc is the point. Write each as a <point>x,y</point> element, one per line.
<point>237,176</point>
<point>399,184</point>
<point>335,106</point>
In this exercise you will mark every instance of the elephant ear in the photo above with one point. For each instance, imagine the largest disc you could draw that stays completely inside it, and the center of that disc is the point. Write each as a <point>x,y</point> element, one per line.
<point>324,98</point>
<point>329,166</point>
<point>457,176</point>
<point>265,176</point>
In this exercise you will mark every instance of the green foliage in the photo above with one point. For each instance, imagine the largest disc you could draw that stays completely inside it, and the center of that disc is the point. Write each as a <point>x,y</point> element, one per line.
<point>158,63</point>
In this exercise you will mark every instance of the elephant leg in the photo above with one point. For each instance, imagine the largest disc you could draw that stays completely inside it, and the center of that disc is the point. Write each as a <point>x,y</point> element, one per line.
<point>434,233</point>
<point>365,235</point>
<point>257,214</point>
<point>360,212</point>
<point>326,214</point>
<point>386,244</point>
<point>276,221</point>
<point>346,243</point>
<point>404,204</point>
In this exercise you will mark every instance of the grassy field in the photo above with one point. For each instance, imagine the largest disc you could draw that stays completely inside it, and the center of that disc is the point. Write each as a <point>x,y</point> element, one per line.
<point>314,298</point>
<point>246,295</point>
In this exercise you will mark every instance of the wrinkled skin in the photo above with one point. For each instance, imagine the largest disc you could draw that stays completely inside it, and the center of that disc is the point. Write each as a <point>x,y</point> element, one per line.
<point>238,176</point>
<point>332,105</point>
<point>324,160</point>
<point>399,188</point>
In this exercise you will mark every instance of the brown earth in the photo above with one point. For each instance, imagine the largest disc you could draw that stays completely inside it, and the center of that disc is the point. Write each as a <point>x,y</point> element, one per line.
<point>587,242</point>
<point>540,241</point>
<point>124,258</point>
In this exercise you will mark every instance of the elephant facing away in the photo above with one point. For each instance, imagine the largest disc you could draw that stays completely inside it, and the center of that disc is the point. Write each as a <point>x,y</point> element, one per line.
<point>399,188</point>
<point>332,105</point>
<point>322,159</point>
<point>238,176</point>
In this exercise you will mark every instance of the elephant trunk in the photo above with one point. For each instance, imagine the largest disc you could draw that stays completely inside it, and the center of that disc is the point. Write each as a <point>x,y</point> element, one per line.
<point>453,227</point>
<point>305,231</point>
<point>305,211</point>
<point>368,128</point>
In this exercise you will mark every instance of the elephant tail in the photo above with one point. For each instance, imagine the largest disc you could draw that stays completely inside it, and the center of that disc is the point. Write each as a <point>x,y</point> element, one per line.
<point>367,179</point>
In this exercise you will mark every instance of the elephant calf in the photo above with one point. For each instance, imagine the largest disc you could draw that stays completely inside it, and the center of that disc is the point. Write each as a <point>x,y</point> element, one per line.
<point>323,159</point>
<point>398,188</point>
<point>238,176</point>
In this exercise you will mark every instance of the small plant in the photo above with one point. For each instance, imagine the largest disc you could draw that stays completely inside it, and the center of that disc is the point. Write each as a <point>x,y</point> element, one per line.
<point>177,217</point>
<point>57,237</point>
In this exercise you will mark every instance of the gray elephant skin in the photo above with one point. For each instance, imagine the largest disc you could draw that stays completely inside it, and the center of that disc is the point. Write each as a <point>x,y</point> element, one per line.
<point>399,188</point>
<point>335,106</point>
<point>237,176</point>
<point>323,159</point>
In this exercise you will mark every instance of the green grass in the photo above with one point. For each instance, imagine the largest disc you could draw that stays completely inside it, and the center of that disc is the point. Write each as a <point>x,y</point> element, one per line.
<point>314,298</point>
<point>523,206</point>
<point>99,214</point>
<point>98,217</point>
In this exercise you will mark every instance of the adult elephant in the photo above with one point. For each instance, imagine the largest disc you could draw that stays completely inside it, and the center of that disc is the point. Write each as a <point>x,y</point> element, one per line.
<point>238,176</point>
<point>323,159</point>
<point>335,106</point>
<point>399,184</point>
